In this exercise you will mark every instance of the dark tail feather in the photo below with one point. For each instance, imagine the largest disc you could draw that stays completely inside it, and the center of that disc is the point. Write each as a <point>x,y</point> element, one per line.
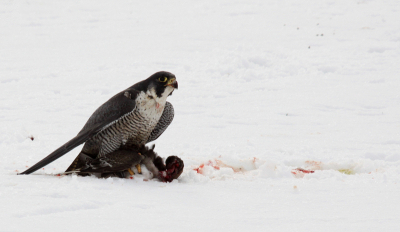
<point>82,137</point>
<point>78,140</point>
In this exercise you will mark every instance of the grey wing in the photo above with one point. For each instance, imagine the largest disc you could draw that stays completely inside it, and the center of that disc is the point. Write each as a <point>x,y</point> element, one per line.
<point>112,110</point>
<point>119,105</point>
<point>165,119</point>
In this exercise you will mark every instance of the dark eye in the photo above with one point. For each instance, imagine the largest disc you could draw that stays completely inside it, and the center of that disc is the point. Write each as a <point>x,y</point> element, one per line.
<point>162,79</point>
<point>151,97</point>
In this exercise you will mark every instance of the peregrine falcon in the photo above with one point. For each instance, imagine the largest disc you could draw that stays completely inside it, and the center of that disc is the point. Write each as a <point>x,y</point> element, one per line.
<point>131,118</point>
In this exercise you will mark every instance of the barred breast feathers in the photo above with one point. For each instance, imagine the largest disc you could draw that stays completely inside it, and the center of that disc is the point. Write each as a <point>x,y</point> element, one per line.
<point>134,127</point>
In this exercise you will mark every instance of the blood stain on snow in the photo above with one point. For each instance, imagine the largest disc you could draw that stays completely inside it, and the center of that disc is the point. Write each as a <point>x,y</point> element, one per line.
<point>300,172</point>
<point>217,164</point>
<point>199,169</point>
<point>304,170</point>
<point>209,163</point>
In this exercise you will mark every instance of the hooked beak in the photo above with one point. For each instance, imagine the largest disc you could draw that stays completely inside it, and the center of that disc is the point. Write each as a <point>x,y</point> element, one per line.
<point>173,83</point>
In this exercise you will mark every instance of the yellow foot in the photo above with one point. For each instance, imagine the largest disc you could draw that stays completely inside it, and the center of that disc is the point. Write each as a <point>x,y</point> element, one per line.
<point>139,169</point>
<point>131,172</point>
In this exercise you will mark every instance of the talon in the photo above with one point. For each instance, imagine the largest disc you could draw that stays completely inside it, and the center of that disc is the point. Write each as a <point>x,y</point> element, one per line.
<point>139,169</point>
<point>131,172</point>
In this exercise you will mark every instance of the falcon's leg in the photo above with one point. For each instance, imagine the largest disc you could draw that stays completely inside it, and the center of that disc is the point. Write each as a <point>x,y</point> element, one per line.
<point>135,149</point>
<point>139,169</point>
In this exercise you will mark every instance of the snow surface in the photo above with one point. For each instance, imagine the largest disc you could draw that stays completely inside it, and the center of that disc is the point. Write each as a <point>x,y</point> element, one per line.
<point>266,88</point>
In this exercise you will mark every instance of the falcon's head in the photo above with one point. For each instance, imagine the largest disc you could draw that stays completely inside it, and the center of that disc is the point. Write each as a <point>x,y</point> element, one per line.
<point>159,85</point>
<point>163,83</point>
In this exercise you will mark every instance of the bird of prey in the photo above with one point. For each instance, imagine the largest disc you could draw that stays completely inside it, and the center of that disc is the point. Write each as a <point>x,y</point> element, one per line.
<point>131,118</point>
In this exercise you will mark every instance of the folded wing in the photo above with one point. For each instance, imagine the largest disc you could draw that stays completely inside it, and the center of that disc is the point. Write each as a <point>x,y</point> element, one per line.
<point>116,107</point>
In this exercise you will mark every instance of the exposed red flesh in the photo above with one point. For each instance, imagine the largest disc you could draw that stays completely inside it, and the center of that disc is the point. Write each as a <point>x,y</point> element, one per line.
<point>166,176</point>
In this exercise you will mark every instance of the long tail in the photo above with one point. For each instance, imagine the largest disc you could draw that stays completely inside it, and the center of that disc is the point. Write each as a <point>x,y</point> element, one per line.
<point>82,137</point>
<point>76,141</point>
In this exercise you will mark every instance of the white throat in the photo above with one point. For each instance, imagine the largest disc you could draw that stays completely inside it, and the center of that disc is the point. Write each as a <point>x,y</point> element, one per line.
<point>150,105</point>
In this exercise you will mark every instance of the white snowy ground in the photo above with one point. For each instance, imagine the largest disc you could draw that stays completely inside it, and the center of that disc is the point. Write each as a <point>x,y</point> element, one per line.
<point>265,87</point>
